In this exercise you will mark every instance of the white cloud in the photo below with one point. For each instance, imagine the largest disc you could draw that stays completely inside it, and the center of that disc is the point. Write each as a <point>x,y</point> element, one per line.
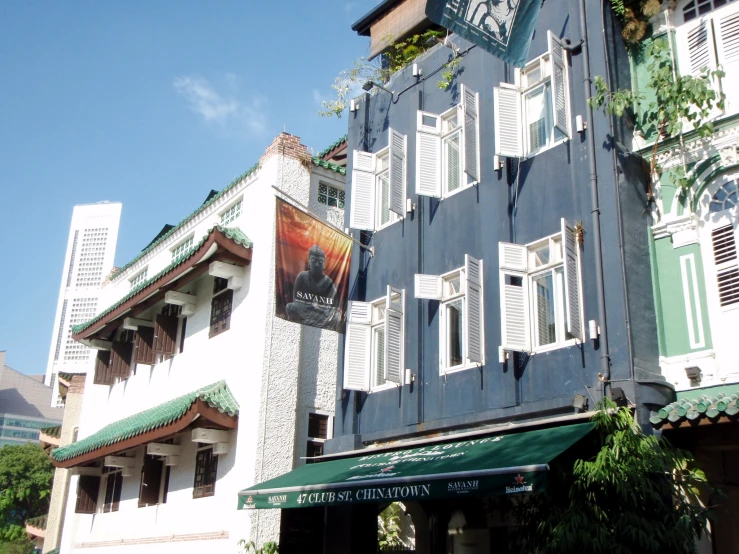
<point>226,111</point>
<point>318,98</point>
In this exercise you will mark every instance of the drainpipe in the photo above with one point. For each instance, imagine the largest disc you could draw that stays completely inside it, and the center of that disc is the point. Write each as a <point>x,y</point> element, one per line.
<point>605,372</point>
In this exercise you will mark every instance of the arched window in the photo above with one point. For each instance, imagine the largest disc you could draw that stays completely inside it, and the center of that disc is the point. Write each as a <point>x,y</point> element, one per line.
<point>725,197</point>
<point>696,8</point>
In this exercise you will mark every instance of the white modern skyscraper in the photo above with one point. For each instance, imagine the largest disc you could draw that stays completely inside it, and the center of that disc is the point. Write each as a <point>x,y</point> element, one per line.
<point>88,261</point>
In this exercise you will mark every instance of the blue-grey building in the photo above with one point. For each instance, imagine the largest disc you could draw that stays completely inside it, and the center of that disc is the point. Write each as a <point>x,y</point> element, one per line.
<point>504,284</point>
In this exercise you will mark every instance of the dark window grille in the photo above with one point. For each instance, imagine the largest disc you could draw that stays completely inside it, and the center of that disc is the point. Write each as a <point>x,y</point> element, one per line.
<point>113,486</point>
<point>220,313</point>
<point>87,494</point>
<point>206,469</point>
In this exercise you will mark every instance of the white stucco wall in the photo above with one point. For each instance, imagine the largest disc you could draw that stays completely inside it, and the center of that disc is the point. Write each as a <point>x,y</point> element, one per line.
<point>267,366</point>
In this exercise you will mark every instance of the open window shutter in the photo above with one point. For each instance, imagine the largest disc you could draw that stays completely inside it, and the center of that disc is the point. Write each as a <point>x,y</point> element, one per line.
<point>393,350</point>
<point>103,376</point>
<point>723,240</point>
<point>696,45</point>
<point>428,286</point>
<point>357,347</point>
<point>144,341</point>
<point>120,359</point>
<point>507,108</point>
<point>727,44</point>
<point>88,488</point>
<point>470,104</point>
<point>165,334</point>
<point>514,321</point>
<point>362,212</point>
<point>572,286</point>
<point>560,100</point>
<point>428,155</point>
<point>397,172</point>
<point>151,480</point>
<point>473,309</point>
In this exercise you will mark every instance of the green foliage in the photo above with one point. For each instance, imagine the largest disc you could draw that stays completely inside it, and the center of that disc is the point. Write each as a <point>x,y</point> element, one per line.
<point>25,486</point>
<point>388,526</point>
<point>24,546</point>
<point>675,101</point>
<point>397,56</point>
<point>637,494</point>
<point>268,547</point>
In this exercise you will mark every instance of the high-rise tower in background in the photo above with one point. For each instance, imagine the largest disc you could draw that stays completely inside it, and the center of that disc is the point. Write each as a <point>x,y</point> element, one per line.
<point>88,261</point>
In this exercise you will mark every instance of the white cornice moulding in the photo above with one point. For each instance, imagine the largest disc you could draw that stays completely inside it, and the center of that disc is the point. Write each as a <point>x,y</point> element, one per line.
<point>234,274</point>
<point>683,230</point>
<point>187,301</point>
<point>133,324</point>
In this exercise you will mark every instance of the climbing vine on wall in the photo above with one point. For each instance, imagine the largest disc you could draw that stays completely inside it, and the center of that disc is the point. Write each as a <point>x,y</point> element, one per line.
<point>674,103</point>
<point>634,16</point>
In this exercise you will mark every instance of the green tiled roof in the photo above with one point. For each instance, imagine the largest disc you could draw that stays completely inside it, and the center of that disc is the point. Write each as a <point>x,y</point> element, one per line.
<point>216,395</point>
<point>322,153</point>
<point>55,432</point>
<point>695,405</point>
<point>205,204</point>
<point>328,165</point>
<point>233,233</point>
<point>39,522</point>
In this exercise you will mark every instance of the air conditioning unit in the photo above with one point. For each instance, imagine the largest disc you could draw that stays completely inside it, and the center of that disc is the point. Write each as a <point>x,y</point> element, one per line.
<point>119,461</point>
<point>160,449</point>
<point>209,436</point>
<point>171,460</point>
<point>220,448</point>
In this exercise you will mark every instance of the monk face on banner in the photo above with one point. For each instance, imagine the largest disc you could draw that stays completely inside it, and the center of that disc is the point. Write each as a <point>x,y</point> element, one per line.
<point>316,262</point>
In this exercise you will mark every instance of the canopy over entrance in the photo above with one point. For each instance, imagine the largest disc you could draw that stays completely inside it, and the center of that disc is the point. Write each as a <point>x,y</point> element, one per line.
<point>503,464</point>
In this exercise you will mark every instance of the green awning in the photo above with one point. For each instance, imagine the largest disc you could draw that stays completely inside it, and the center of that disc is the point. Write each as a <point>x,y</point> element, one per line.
<point>497,465</point>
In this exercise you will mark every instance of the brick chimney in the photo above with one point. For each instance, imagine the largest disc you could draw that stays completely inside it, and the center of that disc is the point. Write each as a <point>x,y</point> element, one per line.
<point>287,145</point>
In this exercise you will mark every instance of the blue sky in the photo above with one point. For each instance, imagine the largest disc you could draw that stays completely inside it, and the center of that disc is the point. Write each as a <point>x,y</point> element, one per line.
<point>149,103</point>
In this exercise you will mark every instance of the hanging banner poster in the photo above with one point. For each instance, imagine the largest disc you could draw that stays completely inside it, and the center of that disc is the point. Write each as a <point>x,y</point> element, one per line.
<point>311,270</point>
<point>502,27</point>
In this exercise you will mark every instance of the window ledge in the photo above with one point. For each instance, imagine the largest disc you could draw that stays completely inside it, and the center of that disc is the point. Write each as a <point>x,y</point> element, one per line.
<point>460,189</point>
<point>388,386</point>
<point>550,347</point>
<point>531,155</point>
<point>464,367</point>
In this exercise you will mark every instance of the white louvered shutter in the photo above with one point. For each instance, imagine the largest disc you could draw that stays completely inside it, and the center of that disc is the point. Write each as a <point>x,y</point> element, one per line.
<point>560,85</point>
<point>723,239</point>
<point>428,155</point>
<point>696,47</point>
<point>428,286</point>
<point>473,325</point>
<point>396,179</point>
<point>514,298</point>
<point>507,113</point>
<point>470,109</point>
<point>393,337</point>
<point>572,282</point>
<point>726,28</point>
<point>362,213</point>
<point>357,348</point>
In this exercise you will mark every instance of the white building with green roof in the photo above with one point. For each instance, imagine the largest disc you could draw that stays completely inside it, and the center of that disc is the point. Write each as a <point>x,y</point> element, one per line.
<point>198,389</point>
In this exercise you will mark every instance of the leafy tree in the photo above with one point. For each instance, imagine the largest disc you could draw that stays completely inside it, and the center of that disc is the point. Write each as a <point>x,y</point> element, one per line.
<point>674,103</point>
<point>637,494</point>
<point>390,529</point>
<point>268,547</point>
<point>25,486</point>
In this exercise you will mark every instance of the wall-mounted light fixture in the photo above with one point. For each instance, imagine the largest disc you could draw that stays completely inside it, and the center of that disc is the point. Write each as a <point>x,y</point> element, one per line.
<point>409,206</point>
<point>416,70</point>
<point>409,377</point>
<point>502,355</point>
<point>580,125</point>
<point>580,403</point>
<point>497,163</point>
<point>593,329</point>
<point>353,105</point>
<point>694,374</point>
<point>369,85</point>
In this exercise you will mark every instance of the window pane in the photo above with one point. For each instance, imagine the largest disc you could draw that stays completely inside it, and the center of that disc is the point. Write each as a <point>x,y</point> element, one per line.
<point>454,333</point>
<point>453,286</point>
<point>544,302</point>
<point>453,162</point>
<point>540,255</point>
<point>379,356</point>
<point>384,196</point>
<point>536,116</point>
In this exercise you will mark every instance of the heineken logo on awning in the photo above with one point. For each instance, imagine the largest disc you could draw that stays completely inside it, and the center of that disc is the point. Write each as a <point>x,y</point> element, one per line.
<point>520,486</point>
